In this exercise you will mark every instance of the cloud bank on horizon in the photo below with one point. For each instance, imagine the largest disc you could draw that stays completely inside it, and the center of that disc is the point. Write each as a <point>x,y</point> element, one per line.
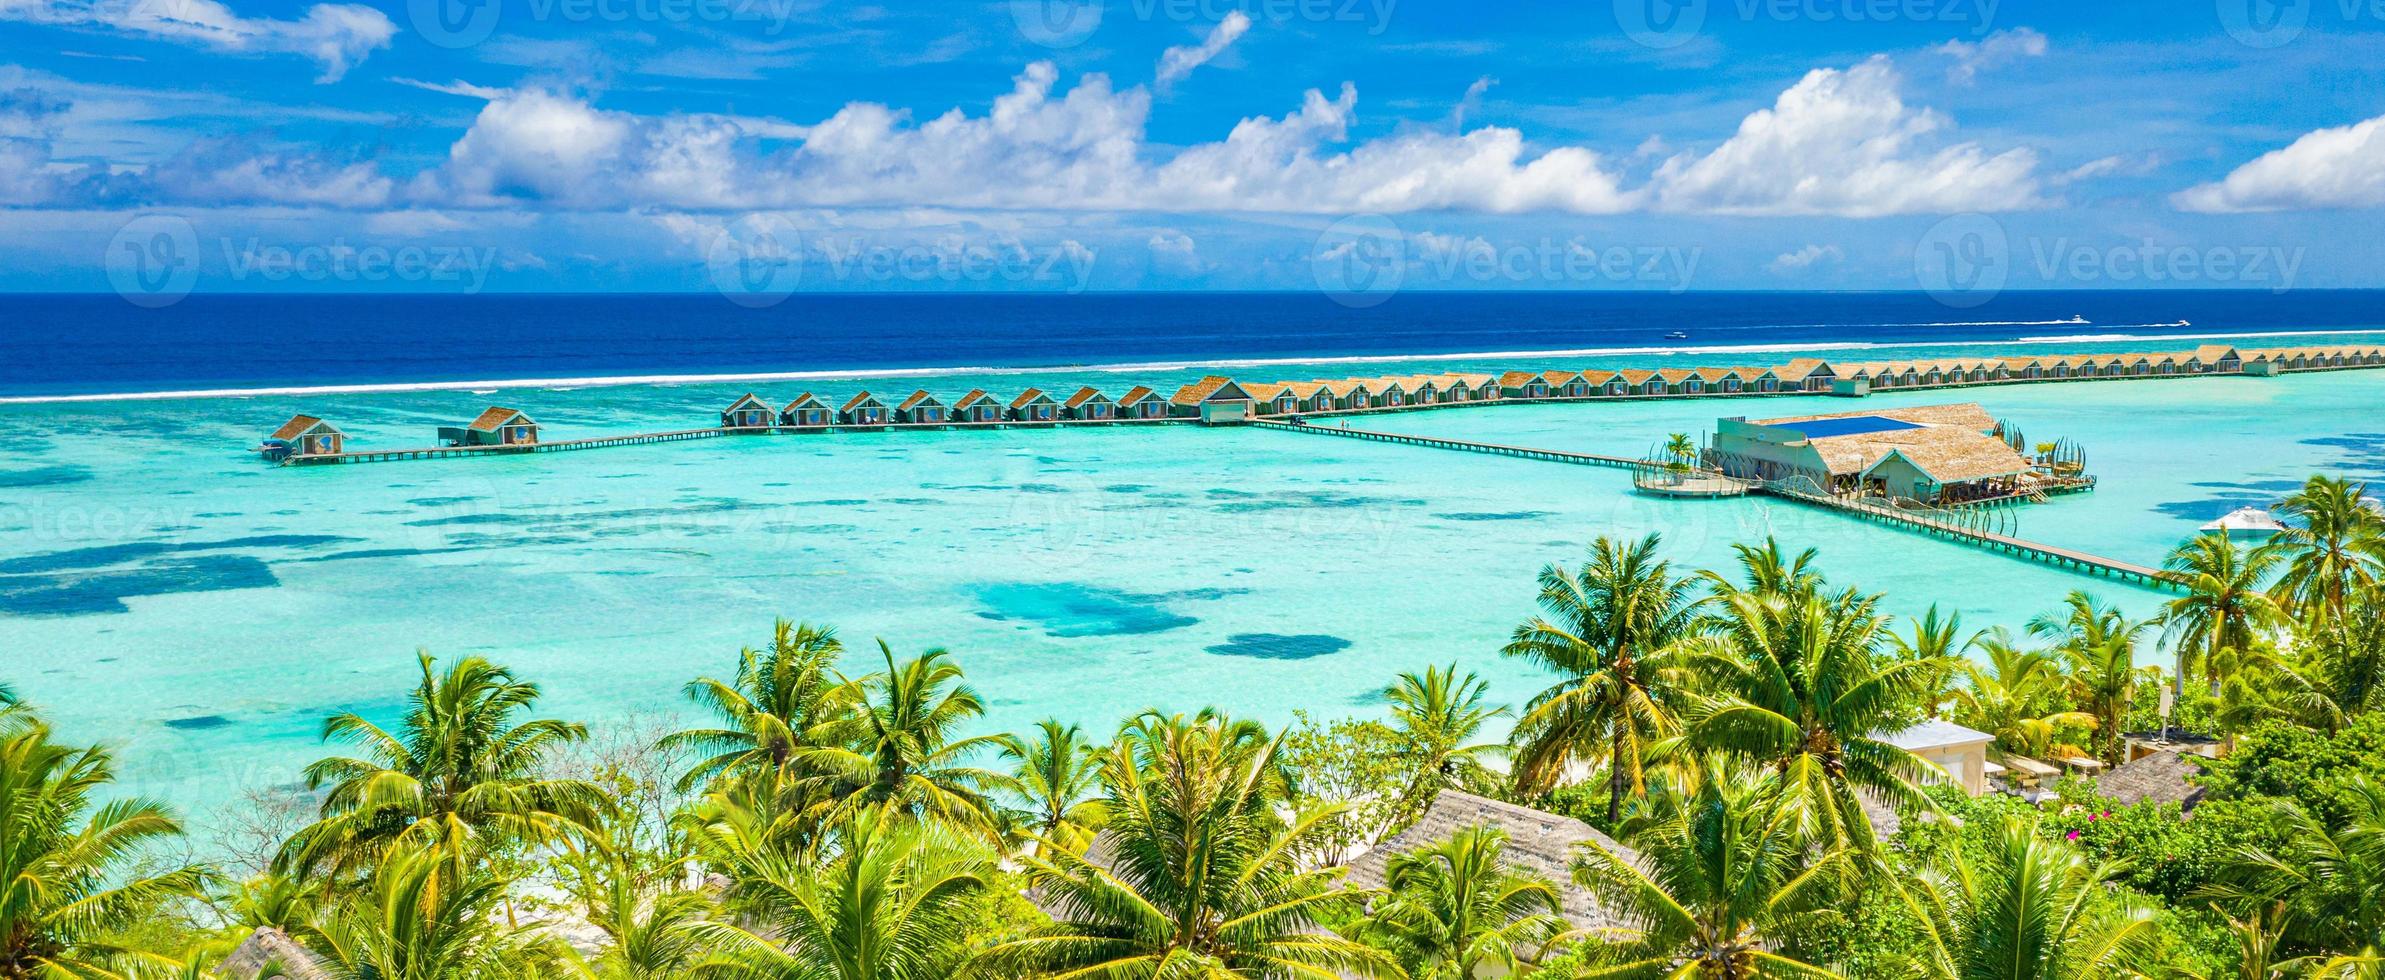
<point>604,147</point>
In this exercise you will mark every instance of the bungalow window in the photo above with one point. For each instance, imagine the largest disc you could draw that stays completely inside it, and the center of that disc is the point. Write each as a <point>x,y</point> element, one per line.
<point>1730,384</point>
<point>1694,387</point>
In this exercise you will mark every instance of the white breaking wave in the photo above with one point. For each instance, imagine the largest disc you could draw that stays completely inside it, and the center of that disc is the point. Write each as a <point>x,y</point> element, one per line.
<point>848,374</point>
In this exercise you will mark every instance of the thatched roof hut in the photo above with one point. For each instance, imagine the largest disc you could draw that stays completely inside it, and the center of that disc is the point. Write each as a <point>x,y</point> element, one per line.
<point>2162,777</point>
<point>1538,842</point>
<point>269,948</point>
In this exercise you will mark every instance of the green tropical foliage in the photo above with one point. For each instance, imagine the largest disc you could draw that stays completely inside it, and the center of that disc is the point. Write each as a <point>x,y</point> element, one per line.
<point>1795,686</point>
<point>1197,875</point>
<point>2025,908</point>
<point>1721,878</point>
<point>1609,630</point>
<point>1436,716</point>
<point>1056,776</point>
<point>71,877</point>
<point>1456,907</point>
<point>890,900</point>
<point>769,710</point>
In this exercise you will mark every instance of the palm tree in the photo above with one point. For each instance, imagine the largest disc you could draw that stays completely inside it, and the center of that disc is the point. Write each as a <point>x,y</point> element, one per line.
<point>893,901</point>
<point>1798,691</point>
<point>72,877</point>
<point>2326,871</point>
<point>2224,609</point>
<point>1457,906</point>
<point>2017,697</point>
<point>2338,549</point>
<point>415,918</point>
<point>2027,908</point>
<point>767,712</point>
<point>1056,775</point>
<point>2098,642</point>
<point>1436,716</point>
<point>2102,679</point>
<point>462,770</point>
<point>1608,630</point>
<point>1196,876</point>
<point>1719,879</point>
<point>1938,642</point>
<point>899,746</point>
<point>1680,452</point>
<point>1768,569</point>
<point>636,900</point>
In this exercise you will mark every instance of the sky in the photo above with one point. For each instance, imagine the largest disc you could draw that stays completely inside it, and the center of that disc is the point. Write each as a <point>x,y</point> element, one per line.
<point>753,147</point>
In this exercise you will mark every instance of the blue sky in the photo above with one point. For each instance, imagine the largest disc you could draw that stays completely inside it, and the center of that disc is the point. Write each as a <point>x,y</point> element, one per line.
<point>271,145</point>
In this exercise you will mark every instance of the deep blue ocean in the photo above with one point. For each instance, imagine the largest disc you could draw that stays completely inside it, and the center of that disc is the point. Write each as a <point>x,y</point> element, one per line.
<point>70,344</point>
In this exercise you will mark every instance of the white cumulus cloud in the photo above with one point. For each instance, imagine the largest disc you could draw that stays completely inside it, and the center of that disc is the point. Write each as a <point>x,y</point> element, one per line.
<point>1843,142</point>
<point>2339,167</point>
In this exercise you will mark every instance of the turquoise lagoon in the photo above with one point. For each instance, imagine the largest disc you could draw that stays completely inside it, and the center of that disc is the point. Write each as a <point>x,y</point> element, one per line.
<point>164,591</point>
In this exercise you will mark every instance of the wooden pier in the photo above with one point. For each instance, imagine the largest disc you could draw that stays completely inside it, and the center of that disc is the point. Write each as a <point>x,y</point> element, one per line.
<point>683,435</point>
<point>2077,561</point>
<point>1460,445</point>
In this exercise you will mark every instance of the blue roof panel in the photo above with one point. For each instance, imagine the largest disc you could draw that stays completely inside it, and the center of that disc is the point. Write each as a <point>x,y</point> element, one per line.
<point>1855,426</point>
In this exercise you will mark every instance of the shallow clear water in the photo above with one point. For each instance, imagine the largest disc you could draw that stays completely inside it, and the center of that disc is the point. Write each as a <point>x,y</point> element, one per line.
<point>161,589</point>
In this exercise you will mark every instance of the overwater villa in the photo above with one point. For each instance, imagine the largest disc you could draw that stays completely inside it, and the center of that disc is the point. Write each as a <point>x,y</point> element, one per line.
<point>977,406</point>
<point>1140,402</point>
<point>1032,405</point>
<point>747,412</point>
<point>920,409</point>
<point>1523,384</point>
<point>495,427</point>
<point>862,409</point>
<point>303,435</point>
<point>1932,454</point>
<point>805,412</point>
<point>1088,405</point>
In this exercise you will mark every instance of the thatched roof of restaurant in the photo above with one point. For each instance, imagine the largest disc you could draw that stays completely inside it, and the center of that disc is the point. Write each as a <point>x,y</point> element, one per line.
<point>1538,842</point>
<point>2162,777</point>
<point>266,948</point>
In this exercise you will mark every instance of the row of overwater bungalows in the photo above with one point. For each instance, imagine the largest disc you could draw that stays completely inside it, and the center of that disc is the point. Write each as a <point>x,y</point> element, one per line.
<point>810,411</point>
<point>1226,399</point>
<point>1804,375</point>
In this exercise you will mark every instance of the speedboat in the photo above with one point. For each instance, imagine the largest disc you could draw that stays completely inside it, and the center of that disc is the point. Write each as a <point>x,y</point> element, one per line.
<point>1676,335</point>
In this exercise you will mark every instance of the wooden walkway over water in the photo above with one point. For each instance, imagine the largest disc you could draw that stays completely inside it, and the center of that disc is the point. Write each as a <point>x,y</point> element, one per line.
<point>2077,561</point>
<point>683,435</point>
